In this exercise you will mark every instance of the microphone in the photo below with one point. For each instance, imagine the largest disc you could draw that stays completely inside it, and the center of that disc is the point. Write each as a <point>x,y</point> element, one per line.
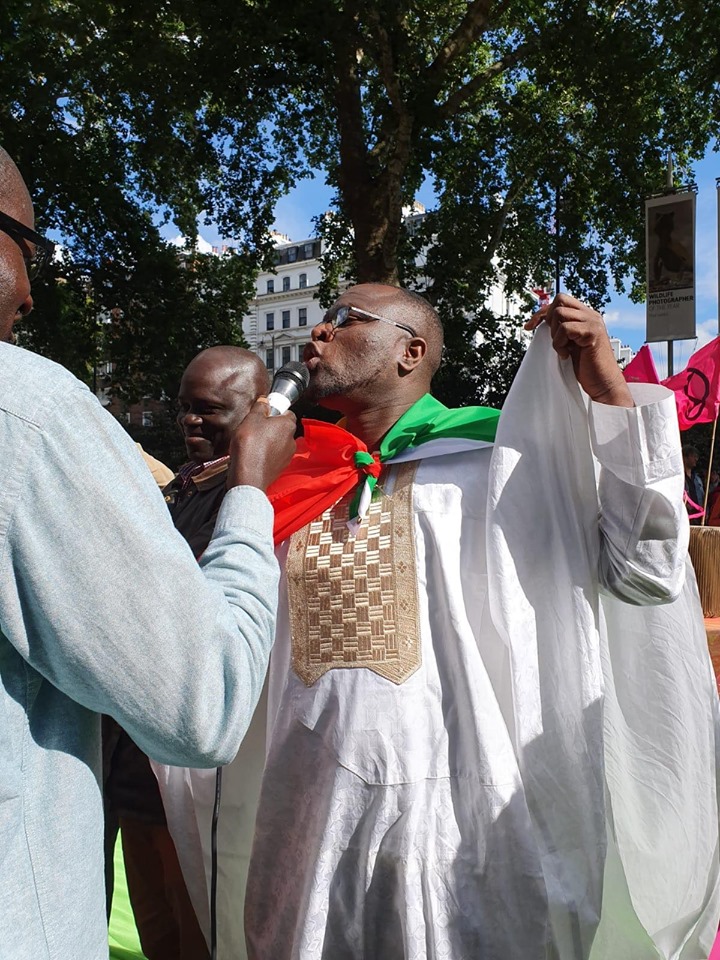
<point>288,385</point>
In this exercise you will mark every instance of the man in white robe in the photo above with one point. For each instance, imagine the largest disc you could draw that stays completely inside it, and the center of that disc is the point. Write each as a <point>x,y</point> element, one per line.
<point>481,743</point>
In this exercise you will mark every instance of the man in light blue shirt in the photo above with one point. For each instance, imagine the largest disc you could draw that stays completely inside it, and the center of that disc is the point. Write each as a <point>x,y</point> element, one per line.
<point>103,609</point>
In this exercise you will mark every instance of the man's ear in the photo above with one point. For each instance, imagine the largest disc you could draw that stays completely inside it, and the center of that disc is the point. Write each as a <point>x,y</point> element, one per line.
<point>413,353</point>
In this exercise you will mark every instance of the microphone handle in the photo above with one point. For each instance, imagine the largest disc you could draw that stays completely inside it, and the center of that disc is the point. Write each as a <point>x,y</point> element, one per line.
<point>279,404</point>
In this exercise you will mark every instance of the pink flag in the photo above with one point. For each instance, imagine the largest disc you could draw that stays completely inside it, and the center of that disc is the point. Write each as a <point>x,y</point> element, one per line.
<point>697,388</point>
<point>641,368</point>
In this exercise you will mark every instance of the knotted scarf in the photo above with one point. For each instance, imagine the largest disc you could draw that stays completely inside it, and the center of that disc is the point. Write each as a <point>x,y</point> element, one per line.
<point>330,461</point>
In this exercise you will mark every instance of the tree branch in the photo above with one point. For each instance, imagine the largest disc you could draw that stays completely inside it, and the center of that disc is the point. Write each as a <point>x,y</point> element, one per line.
<point>456,100</point>
<point>386,61</point>
<point>479,260</point>
<point>513,192</point>
<point>475,22</point>
<point>348,99</point>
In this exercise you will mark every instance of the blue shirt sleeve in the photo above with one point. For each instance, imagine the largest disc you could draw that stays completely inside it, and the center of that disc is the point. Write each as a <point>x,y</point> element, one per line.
<point>104,599</point>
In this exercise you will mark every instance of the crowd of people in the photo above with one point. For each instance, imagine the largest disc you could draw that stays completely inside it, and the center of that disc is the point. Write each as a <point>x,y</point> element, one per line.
<point>424,683</point>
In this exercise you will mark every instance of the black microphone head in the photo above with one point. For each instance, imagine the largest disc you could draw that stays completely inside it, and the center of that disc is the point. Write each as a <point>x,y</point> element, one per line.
<point>291,380</point>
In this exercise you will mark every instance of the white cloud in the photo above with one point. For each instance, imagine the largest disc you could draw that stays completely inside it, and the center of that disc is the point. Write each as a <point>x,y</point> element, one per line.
<point>624,317</point>
<point>706,331</point>
<point>201,245</point>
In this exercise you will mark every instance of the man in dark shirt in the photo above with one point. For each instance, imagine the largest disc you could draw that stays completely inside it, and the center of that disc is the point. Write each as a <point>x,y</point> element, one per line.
<point>217,390</point>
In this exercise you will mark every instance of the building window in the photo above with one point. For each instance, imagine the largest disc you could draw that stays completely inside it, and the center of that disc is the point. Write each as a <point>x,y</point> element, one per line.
<point>285,319</point>
<point>292,254</point>
<point>269,321</point>
<point>308,251</point>
<point>270,286</point>
<point>286,283</point>
<point>286,351</point>
<point>147,418</point>
<point>270,359</point>
<point>302,317</point>
<point>303,281</point>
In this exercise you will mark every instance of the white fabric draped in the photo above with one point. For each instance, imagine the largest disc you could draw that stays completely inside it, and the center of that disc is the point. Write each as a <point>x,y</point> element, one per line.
<point>544,786</point>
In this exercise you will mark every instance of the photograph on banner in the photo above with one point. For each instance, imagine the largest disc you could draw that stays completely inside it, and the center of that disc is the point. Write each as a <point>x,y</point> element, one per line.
<point>670,267</point>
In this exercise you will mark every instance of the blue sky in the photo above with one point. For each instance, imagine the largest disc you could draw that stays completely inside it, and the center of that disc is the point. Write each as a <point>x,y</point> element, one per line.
<point>625,319</point>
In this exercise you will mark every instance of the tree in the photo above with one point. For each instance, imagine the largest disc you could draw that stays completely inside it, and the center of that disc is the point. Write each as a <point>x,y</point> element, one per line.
<point>219,107</point>
<point>132,329</point>
<point>99,113</point>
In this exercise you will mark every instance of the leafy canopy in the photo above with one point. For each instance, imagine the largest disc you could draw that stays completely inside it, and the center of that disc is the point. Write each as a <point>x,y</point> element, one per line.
<point>122,113</point>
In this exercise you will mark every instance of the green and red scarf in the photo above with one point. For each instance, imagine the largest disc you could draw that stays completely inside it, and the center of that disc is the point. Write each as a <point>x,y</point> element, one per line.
<point>330,462</point>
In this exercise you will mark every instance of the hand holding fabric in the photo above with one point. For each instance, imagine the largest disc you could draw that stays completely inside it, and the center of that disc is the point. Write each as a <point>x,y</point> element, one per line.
<point>579,332</point>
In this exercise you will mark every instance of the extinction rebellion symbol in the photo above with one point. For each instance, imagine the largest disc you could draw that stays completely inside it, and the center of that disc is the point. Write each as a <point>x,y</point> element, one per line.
<point>697,390</point>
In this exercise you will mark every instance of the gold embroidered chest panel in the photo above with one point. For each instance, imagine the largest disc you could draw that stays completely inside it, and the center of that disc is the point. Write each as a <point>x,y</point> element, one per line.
<point>353,599</point>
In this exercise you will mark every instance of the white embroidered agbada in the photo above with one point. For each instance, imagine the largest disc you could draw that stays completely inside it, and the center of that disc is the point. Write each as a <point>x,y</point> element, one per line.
<point>541,783</point>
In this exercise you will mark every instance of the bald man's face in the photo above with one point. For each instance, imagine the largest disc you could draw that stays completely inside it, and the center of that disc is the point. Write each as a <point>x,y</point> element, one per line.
<point>15,299</point>
<point>213,401</point>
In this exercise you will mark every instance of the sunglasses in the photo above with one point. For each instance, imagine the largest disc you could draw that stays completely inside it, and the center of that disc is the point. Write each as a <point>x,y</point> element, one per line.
<point>343,315</point>
<point>43,251</point>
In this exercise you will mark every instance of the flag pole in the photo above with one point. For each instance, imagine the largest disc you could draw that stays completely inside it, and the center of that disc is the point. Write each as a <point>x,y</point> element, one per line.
<point>707,479</point>
<point>670,188</point>
<point>558,267</point>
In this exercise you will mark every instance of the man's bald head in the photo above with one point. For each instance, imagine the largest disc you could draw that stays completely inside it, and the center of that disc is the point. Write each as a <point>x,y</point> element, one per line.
<point>412,309</point>
<point>217,390</point>
<point>237,363</point>
<point>424,319</point>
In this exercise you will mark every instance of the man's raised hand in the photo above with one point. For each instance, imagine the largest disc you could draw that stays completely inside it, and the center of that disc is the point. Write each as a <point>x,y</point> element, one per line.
<point>578,332</point>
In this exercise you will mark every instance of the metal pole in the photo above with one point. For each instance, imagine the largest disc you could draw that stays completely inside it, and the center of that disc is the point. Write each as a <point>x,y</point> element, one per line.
<point>709,471</point>
<point>669,185</point>
<point>669,175</point>
<point>557,239</point>
<point>717,189</point>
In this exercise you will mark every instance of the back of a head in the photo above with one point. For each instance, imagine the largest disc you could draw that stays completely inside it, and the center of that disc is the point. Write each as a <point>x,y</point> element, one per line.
<point>14,196</point>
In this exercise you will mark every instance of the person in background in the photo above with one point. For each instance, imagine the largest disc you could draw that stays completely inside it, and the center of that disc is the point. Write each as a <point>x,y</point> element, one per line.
<point>713,489</point>
<point>217,391</point>
<point>693,481</point>
<point>161,474</point>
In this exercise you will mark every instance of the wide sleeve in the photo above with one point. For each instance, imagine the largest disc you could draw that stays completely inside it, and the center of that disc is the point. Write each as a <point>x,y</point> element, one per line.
<point>643,523</point>
<point>104,599</point>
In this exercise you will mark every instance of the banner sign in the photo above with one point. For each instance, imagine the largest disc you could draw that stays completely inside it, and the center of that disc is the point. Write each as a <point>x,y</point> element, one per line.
<point>670,267</point>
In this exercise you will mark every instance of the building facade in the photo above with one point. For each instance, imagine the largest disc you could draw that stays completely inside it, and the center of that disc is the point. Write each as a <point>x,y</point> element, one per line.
<point>284,311</point>
<point>623,353</point>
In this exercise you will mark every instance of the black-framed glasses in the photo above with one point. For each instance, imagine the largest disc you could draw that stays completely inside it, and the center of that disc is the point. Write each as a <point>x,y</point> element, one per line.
<point>343,315</point>
<point>44,248</point>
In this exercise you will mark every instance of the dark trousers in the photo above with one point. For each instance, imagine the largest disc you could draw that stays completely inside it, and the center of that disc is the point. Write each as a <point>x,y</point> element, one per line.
<point>164,915</point>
